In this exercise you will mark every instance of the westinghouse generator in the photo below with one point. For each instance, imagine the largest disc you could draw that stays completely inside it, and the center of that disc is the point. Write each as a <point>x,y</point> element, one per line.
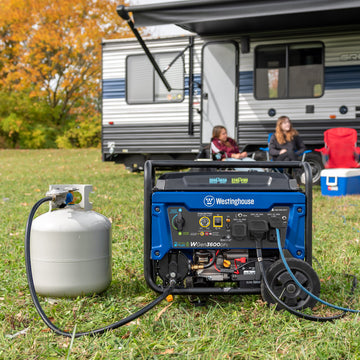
<point>202,229</point>
<point>207,231</point>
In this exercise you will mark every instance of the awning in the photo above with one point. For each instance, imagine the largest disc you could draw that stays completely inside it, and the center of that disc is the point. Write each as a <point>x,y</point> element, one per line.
<point>209,17</point>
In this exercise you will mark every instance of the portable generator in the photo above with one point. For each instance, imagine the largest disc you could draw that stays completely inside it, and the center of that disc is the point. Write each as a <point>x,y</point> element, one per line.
<point>201,229</point>
<point>209,230</point>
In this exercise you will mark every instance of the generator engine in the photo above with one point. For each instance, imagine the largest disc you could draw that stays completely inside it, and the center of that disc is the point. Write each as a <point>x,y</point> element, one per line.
<point>201,228</point>
<point>227,265</point>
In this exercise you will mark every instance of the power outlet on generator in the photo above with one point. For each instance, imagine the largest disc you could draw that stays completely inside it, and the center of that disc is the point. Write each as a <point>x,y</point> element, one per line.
<point>225,229</point>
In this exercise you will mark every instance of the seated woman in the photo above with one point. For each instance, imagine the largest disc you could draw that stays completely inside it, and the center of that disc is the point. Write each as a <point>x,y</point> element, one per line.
<point>225,148</point>
<point>285,144</point>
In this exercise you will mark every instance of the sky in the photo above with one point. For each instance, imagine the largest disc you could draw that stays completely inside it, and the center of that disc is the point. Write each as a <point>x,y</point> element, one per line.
<point>158,31</point>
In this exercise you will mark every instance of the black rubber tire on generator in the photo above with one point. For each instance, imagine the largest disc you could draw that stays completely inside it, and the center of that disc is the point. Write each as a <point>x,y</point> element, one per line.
<point>285,288</point>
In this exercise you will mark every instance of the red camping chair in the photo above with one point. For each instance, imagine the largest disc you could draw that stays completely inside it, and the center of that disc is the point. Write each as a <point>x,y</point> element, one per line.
<point>340,150</point>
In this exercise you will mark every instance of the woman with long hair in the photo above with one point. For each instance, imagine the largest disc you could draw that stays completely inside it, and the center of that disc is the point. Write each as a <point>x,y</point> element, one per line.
<point>224,147</point>
<point>285,144</point>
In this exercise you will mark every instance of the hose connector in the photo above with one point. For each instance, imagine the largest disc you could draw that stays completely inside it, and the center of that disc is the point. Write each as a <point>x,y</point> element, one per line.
<point>60,193</point>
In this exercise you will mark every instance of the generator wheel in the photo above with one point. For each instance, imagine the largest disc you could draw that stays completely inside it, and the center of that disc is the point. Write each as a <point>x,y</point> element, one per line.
<point>286,289</point>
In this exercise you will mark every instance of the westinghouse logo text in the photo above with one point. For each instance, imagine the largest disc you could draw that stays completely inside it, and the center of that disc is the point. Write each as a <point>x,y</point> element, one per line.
<point>235,202</point>
<point>210,201</point>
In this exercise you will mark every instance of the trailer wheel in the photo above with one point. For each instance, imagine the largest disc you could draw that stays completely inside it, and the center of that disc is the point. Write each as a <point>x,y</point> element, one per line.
<point>134,163</point>
<point>316,165</point>
<point>286,289</point>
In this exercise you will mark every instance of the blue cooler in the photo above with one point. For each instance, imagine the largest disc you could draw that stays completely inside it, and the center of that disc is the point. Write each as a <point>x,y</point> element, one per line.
<point>340,182</point>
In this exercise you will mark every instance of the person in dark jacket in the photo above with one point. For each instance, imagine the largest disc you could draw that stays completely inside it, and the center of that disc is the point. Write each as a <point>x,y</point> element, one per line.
<point>285,144</point>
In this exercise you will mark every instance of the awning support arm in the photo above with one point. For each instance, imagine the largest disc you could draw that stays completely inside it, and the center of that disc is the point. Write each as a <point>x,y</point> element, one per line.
<point>191,86</point>
<point>175,58</point>
<point>125,16</point>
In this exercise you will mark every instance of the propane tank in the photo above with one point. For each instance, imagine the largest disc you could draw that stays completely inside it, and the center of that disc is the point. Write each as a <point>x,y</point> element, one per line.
<point>70,246</point>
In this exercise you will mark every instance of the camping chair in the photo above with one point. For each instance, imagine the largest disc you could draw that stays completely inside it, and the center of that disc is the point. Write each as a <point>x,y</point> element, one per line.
<point>340,150</point>
<point>268,157</point>
<point>206,153</point>
<point>267,151</point>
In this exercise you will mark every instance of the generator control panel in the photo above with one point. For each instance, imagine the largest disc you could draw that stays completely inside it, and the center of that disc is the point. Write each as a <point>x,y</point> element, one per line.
<point>230,220</point>
<point>226,229</point>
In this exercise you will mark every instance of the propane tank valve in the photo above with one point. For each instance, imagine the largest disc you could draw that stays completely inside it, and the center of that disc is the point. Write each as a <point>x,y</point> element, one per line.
<point>63,195</point>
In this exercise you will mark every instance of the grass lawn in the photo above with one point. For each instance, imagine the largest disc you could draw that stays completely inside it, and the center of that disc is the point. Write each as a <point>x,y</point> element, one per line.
<point>233,327</point>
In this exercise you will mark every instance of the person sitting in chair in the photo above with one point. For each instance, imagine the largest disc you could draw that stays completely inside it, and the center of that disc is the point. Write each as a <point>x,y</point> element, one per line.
<point>224,147</point>
<point>285,144</point>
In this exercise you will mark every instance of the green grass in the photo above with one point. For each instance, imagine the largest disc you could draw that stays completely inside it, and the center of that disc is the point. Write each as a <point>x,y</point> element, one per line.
<point>234,327</point>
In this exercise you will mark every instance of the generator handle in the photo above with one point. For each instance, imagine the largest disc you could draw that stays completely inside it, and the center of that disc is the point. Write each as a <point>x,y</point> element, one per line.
<point>152,165</point>
<point>149,182</point>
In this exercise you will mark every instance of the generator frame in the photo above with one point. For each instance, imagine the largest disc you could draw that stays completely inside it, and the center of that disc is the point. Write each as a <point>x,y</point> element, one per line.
<point>150,173</point>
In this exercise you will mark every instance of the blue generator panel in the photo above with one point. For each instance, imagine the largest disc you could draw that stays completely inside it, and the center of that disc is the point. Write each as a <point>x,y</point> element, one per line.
<point>218,220</point>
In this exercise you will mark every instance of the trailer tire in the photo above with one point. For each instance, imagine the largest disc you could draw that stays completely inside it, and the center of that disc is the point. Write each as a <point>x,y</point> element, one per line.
<point>134,163</point>
<point>316,164</point>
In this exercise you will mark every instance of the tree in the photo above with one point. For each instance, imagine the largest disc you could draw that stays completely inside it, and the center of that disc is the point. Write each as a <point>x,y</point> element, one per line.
<point>50,52</point>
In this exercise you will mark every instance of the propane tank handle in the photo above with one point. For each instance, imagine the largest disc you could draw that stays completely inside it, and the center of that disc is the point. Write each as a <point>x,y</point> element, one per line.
<point>59,194</point>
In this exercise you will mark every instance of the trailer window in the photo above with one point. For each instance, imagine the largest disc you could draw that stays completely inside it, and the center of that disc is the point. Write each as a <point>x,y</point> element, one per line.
<point>289,71</point>
<point>143,84</point>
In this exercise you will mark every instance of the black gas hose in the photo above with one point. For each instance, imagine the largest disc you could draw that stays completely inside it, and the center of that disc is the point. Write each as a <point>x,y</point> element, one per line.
<point>167,291</point>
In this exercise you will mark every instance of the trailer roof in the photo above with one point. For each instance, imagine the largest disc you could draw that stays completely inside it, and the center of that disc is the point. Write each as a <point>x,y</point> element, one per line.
<point>214,17</point>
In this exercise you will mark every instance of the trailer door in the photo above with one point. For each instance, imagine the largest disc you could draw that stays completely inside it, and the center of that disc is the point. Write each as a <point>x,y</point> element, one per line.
<point>220,93</point>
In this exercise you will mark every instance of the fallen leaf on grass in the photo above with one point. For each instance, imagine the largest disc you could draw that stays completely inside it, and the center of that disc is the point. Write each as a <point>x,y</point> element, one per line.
<point>64,344</point>
<point>168,351</point>
<point>46,330</point>
<point>135,322</point>
<point>123,227</point>
<point>21,332</point>
<point>126,335</point>
<point>158,316</point>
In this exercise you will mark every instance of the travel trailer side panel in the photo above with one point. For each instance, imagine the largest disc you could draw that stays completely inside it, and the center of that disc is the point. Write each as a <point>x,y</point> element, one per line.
<point>132,133</point>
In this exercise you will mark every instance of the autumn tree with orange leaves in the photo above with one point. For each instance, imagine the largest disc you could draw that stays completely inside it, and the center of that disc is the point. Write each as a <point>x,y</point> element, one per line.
<point>50,67</point>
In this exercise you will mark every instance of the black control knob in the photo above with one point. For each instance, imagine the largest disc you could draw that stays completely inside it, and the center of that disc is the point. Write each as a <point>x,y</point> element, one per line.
<point>179,221</point>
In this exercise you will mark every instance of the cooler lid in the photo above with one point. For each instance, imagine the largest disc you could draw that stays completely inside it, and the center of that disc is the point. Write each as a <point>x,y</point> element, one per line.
<point>339,172</point>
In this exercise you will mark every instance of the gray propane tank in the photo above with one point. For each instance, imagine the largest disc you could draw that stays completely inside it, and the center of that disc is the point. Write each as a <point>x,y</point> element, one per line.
<point>70,247</point>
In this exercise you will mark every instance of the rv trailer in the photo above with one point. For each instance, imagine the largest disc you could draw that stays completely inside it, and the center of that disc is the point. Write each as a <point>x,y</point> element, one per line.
<point>140,119</point>
<point>162,97</point>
